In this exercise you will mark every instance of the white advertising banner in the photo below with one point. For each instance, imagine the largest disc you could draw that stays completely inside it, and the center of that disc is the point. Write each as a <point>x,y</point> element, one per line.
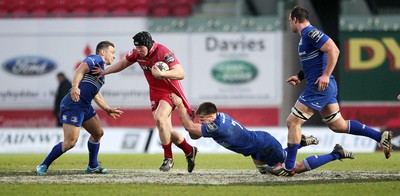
<point>237,69</point>
<point>38,49</point>
<point>42,140</point>
<point>231,69</point>
<point>135,140</point>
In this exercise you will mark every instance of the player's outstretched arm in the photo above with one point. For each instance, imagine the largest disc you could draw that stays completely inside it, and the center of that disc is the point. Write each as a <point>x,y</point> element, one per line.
<point>194,129</point>
<point>117,67</point>
<point>113,112</point>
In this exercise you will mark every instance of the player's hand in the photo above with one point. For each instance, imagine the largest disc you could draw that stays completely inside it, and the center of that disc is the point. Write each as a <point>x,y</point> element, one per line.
<point>322,82</point>
<point>398,97</point>
<point>176,99</point>
<point>114,112</point>
<point>293,80</point>
<point>157,73</point>
<point>75,92</point>
<point>97,70</point>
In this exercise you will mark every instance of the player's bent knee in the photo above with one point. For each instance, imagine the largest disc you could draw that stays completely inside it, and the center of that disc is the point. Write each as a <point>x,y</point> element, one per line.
<point>332,118</point>
<point>68,145</point>
<point>97,136</point>
<point>299,114</point>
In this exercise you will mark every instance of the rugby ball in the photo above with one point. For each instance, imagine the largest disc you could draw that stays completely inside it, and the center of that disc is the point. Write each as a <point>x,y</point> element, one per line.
<point>162,66</point>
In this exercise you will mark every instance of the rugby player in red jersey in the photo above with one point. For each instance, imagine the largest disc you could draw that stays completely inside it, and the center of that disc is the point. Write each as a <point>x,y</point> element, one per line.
<point>161,84</point>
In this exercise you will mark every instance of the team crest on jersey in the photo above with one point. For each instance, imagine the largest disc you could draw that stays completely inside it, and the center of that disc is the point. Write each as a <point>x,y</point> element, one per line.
<point>211,127</point>
<point>315,34</point>
<point>169,58</point>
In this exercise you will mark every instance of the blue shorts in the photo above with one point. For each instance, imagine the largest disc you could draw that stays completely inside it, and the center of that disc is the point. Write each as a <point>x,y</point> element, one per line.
<point>272,152</point>
<point>76,117</point>
<point>316,99</point>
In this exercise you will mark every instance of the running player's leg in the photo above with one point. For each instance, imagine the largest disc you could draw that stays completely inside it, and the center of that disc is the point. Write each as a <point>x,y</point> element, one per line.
<point>335,121</point>
<point>71,134</point>
<point>162,118</point>
<point>189,150</point>
<point>93,127</point>
<point>181,142</point>
<point>299,115</point>
<point>315,161</point>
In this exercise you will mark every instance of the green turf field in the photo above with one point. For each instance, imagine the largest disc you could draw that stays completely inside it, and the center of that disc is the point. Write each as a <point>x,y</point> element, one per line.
<point>21,167</point>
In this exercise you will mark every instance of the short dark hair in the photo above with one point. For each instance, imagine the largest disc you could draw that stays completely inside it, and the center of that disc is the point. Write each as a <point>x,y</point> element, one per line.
<point>103,45</point>
<point>60,74</point>
<point>206,108</point>
<point>299,13</point>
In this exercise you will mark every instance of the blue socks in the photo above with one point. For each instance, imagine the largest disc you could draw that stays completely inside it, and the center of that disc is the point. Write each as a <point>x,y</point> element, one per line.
<point>356,128</point>
<point>57,152</point>
<point>93,153</point>
<point>291,156</point>
<point>316,161</point>
<point>53,155</point>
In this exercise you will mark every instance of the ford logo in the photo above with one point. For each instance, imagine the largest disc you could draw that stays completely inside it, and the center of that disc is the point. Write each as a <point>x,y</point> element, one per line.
<point>29,65</point>
<point>234,72</point>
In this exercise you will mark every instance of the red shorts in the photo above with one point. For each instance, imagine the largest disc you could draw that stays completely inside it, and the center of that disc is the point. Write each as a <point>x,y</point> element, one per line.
<point>155,100</point>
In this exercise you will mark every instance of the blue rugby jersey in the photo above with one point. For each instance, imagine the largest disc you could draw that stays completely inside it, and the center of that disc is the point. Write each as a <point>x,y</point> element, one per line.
<point>313,61</point>
<point>89,85</point>
<point>235,137</point>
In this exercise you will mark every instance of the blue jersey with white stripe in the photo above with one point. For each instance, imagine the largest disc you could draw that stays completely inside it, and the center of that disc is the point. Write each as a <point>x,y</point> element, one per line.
<point>235,137</point>
<point>89,85</point>
<point>313,61</point>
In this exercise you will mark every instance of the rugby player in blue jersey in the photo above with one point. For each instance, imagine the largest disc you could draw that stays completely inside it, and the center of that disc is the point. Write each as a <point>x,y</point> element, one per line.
<point>76,110</point>
<point>318,55</point>
<point>263,148</point>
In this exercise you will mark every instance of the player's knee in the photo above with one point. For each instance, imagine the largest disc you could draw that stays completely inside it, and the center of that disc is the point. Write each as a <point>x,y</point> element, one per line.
<point>160,123</point>
<point>68,144</point>
<point>339,126</point>
<point>97,135</point>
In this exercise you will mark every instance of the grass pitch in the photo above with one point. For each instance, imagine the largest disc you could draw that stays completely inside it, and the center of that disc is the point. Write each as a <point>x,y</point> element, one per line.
<point>215,174</point>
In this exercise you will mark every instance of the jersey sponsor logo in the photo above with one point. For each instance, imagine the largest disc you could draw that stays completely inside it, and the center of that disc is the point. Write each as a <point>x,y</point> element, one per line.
<point>211,127</point>
<point>145,68</point>
<point>169,58</point>
<point>29,65</point>
<point>316,104</point>
<point>315,34</point>
<point>74,119</point>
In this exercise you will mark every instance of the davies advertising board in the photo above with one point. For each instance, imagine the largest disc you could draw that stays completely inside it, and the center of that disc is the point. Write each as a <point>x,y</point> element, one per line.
<point>237,69</point>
